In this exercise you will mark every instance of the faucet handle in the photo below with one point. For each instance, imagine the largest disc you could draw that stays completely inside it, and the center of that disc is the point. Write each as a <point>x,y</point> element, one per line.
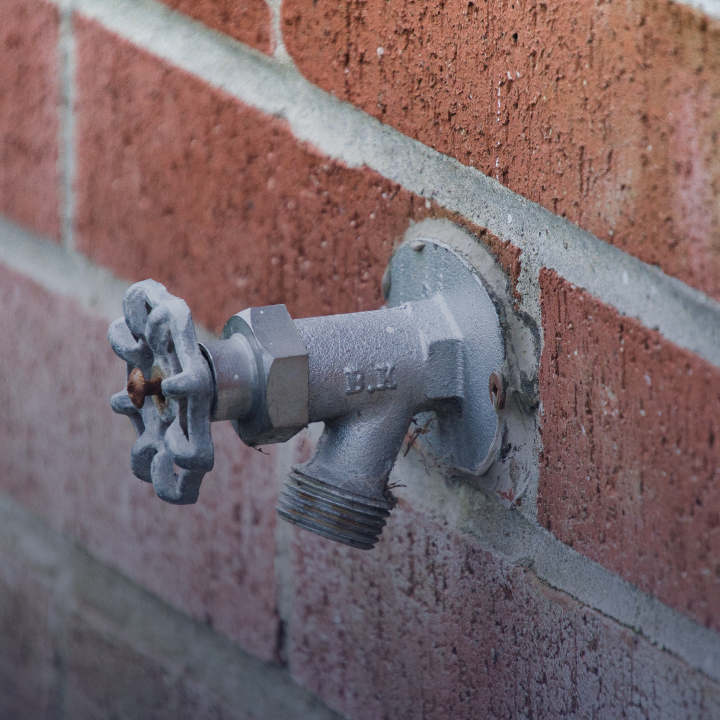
<point>156,338</point>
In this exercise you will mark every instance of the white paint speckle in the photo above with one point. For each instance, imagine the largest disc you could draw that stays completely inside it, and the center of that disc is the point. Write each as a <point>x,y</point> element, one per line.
<point>626,278</point>
<point>380,52</point>
<point>389,329</point>
<point>509,219</point>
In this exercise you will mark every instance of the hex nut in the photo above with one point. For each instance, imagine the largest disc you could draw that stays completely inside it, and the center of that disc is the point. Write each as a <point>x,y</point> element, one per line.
<point>280,402</point>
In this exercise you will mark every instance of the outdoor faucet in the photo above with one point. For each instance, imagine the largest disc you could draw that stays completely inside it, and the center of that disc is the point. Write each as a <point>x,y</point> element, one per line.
<point>434,355</point>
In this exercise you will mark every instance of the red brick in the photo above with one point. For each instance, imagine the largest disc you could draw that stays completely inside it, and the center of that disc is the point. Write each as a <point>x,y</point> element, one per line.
<point>29,96</point>
<point>247,21</point>
<point>429,625</point>
<point>630,472</point>
<point>179,182</point>
<point>606,113</point>
<point>66,456</point>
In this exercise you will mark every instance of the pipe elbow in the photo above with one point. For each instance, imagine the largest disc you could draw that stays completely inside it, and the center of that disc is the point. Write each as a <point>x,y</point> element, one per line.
<point>342,493</point>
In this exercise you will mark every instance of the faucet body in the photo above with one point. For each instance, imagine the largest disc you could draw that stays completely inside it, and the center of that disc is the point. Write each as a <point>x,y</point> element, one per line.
<point>365,375</point>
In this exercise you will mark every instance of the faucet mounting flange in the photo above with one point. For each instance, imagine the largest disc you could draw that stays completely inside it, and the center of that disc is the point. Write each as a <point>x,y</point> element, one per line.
<point>464,437</point>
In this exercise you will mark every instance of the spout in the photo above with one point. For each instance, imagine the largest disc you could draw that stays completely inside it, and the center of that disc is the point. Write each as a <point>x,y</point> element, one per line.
<point>342,493</point>
<point>335,514</point>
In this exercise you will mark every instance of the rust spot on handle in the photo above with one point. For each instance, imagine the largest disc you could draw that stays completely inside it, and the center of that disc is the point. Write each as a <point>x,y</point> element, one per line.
<point>138,388</point>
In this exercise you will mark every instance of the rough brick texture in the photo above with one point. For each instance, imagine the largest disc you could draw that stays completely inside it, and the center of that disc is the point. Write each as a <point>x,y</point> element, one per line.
<point>178,182</point>
<point>607,113</point>
<point>247,21</point>
<point>29,96</point>
<point>429,626</point>
<point>66,456</point>
<point>630,472</point>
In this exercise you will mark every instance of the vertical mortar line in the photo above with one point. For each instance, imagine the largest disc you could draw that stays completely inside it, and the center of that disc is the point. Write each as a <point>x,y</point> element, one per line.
<point>529,287</point>
<point>66,114</point>
<point>283,540</point>
<point>288,454</point>
<point>280,51</point>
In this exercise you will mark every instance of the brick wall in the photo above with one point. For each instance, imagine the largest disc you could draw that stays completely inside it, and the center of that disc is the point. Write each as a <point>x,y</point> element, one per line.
<point>255,153</point>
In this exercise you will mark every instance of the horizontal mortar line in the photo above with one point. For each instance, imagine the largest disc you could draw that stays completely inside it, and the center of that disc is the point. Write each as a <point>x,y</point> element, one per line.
<point>66,272</point>
<point>505,533</point>
<point>710,7</point>
<point>683,315</point>
<point>265,691</point>
<point>590,583</point>
<point>680,313</point>
<point>508,535</point>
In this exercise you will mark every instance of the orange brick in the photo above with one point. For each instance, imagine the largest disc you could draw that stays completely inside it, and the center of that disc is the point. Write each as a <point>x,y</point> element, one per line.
<point>66,456</point>
<point>429,625</point>
<point>247,21</point>
<point>606,113</point>
<point>179,182</point>
<point>29,97</point>
<point>630,473</point>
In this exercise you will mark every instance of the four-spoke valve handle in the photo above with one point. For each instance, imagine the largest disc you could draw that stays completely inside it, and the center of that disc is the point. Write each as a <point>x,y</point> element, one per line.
<point>169,392</point>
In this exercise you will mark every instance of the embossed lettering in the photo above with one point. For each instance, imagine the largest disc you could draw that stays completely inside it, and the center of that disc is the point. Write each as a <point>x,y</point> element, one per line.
<point>384,374</point>
<point>354,381</point>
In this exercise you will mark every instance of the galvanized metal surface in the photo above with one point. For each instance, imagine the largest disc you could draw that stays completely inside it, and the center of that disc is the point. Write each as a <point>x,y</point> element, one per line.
<point>430,355</point>
<point>157,336</point>
<point>510,469</point>
<point>463,436</point>
<point>280,404</point>
<point>434,356</point>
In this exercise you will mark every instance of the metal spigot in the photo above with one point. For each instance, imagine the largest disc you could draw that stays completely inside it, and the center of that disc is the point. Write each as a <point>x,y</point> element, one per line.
<point>432,353</point>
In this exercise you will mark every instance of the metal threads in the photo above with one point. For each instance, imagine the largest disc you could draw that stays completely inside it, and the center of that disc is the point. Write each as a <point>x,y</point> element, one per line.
<point>335,514</point>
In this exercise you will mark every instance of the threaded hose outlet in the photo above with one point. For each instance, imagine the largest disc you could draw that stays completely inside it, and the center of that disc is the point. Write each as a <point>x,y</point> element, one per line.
<point>333,513</point>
